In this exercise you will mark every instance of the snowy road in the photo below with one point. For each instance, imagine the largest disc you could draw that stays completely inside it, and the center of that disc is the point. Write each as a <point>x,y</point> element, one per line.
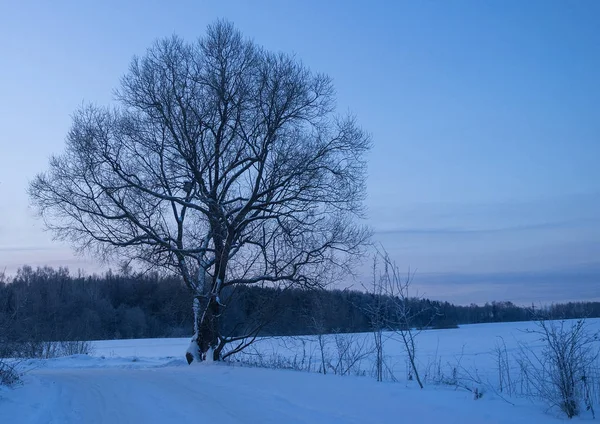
<point>115,396</point>
<point>97,392</point>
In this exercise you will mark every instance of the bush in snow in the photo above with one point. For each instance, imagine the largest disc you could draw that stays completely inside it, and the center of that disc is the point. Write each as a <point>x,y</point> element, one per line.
<point>76,347</point>
<point>350,351</point>
<point>41,349</point>
<point>564,373</point>
<point>8,374</point>
<point>253,357</point>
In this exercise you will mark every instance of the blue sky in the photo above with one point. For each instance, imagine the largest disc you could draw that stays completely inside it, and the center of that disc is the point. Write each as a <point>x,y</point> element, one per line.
<point>485,116</point>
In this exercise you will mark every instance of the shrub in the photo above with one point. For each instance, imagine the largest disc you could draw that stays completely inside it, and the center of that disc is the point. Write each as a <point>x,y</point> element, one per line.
<point>9,376</point>
<point>565,369</point>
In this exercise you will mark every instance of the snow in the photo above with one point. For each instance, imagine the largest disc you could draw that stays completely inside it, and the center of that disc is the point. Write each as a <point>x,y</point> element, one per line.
<point>225,394</point>
<point>130,381</point>
<point>470,348</point>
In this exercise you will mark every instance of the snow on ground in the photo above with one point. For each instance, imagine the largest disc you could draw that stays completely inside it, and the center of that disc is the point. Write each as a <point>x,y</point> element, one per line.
<point>470,349</point>
<point>131,381</point>
<point>225,394</point>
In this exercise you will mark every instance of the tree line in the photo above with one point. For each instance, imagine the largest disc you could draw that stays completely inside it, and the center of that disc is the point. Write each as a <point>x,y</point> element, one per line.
<point>51,304</point>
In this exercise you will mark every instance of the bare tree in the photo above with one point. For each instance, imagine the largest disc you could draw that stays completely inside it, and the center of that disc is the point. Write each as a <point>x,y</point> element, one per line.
<point>350,351</point>
<point>403,317</point>
<point>505,380</point>
<point>377,317</point>
<point>222,162</point>
<point>316,315</point>
<point>562,373</point>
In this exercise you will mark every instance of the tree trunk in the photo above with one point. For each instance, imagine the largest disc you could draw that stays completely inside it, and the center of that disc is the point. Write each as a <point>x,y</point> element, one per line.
<point>206,329</point>
<point>208,335</point>
<point>206,317</point>
<point>193,351</point>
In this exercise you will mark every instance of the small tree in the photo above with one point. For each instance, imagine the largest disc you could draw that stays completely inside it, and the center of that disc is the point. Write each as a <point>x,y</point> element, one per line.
<point>315,313</point>
<point>377,318</point>
<point>222,162</point>
<point>402,316</point>
<point>561,373</point>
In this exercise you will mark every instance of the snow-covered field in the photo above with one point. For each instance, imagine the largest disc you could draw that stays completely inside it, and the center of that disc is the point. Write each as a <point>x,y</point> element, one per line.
<point>131,381</point>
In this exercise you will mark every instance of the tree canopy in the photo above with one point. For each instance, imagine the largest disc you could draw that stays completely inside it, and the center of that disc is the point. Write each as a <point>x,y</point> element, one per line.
<point>222,162</point>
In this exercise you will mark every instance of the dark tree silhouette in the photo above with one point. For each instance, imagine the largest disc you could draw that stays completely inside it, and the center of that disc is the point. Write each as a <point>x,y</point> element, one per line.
<point>222,162</point>
<point>45,304</point>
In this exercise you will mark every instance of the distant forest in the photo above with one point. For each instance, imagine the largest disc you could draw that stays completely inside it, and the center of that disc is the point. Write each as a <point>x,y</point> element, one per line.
<point>51,304</point>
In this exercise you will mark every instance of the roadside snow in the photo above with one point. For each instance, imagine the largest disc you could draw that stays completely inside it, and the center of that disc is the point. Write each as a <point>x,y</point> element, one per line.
<point>81,389</point>
<point>149,381</point>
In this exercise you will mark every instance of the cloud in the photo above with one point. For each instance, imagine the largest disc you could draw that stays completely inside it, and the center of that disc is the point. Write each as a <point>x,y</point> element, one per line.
<point>587,271</point>
<point>560,212</point>
<point>578,283</point>
<point>459,231</point>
